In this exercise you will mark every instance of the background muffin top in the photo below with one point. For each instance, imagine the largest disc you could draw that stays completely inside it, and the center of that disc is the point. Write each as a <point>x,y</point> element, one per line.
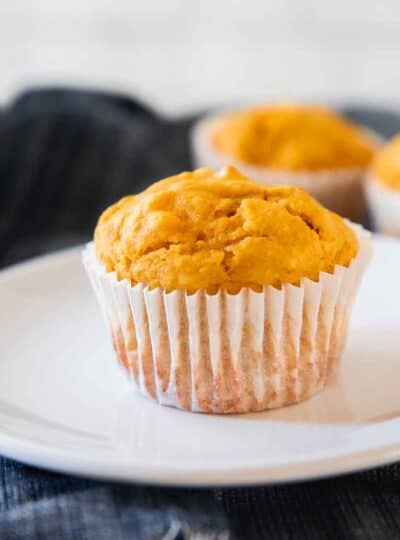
<point>292,138</point>
<point>206,230</point>
<point>386,164</point>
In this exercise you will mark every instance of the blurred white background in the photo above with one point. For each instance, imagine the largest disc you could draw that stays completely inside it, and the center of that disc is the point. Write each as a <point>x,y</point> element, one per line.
<point>181,55</point>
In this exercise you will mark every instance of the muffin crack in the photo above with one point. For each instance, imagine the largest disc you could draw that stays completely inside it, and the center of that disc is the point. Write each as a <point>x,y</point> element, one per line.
<point>306,220</point>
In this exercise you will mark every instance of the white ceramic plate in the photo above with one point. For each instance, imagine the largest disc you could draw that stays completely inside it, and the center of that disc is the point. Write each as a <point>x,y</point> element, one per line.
<point>64,404</point>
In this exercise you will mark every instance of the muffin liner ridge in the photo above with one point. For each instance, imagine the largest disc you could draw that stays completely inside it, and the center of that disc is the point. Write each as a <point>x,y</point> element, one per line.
<point>341,190</point>
<point>230,353</point>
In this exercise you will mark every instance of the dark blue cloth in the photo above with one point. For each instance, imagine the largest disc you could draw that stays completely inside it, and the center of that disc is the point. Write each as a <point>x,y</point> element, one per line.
<point>64,156</point>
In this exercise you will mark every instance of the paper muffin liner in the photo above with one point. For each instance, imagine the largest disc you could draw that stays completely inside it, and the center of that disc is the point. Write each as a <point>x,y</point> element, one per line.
<point>230,353</point>
<point>384,205</point>
<point>341,190</point>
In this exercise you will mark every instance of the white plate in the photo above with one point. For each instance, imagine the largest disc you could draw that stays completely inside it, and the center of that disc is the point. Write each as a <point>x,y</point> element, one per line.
<point>64,404</point>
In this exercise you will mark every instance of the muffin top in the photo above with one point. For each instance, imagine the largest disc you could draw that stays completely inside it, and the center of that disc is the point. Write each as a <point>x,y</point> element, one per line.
<point>292,138</point>
<point>385,166</point>
<point>206,230</point>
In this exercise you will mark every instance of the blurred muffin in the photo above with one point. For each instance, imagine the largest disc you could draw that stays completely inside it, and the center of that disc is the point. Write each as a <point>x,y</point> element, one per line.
<point>383,188</point>
<point>224,295</point>
<point>311,147</point>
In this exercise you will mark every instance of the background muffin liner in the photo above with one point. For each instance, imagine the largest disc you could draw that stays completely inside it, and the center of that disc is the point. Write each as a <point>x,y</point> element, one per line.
<point>384,205</point>
<point>341,190</point>
<point>226,353</point>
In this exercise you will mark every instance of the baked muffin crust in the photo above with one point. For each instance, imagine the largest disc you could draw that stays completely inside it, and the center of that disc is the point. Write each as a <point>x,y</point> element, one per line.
<point>206,230</point>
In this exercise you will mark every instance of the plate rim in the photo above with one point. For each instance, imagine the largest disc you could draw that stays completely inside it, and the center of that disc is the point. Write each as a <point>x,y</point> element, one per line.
<point>54,459</point>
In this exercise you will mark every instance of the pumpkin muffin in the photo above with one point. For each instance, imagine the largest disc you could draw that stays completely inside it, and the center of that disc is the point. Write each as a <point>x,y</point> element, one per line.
<point>225,295</point>
<point>383,188</point>
<point>308,146</point>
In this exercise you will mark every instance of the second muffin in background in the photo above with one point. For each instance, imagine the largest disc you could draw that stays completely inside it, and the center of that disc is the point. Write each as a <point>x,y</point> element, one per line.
<point>223,295</point>
<point>312,147</point>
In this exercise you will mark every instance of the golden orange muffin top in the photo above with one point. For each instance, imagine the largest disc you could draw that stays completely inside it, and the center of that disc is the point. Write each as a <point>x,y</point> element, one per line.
<point>292,138</point>
<point>206,230</point>
<point>385,166</point>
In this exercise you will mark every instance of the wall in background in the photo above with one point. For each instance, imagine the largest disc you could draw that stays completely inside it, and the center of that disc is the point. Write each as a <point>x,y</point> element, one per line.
<point>184,54</point>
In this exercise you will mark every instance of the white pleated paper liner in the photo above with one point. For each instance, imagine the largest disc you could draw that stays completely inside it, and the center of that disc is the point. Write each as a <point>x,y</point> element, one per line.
<point>230,353</point>
<point>384,205</point>
<point>341,190</point>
